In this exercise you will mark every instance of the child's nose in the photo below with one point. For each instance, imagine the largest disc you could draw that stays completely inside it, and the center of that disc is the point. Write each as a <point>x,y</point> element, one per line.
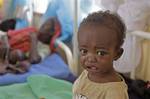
<point>91,58</point>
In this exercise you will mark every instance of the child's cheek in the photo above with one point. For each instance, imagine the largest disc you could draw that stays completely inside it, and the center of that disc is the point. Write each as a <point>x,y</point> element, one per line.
<point>82,60</point>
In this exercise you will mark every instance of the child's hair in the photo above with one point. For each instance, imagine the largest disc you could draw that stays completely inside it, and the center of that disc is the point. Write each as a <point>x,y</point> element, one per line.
<point>8,24</point>
<point>109,20</point>
<point>47,30</point>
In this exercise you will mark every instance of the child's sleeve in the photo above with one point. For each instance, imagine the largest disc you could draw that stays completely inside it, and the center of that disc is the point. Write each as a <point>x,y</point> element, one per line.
<point>117,94</point>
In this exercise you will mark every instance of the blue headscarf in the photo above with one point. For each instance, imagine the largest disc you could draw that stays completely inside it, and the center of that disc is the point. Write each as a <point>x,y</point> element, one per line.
<point>58,8</point>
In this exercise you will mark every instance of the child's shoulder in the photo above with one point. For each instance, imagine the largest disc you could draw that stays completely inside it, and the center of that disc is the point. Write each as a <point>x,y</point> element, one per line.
<point>117,86</point>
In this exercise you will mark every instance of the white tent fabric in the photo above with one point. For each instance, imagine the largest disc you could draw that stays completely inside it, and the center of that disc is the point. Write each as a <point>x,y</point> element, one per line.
<point>135,15</point>
<point>111,5</point>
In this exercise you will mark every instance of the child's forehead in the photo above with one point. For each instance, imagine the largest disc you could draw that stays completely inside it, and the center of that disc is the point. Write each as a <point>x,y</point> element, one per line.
<point>98,34</point>
<point>98,30</point>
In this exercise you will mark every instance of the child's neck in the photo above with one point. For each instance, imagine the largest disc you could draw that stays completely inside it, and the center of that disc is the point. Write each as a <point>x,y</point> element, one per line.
<point>104,77</point>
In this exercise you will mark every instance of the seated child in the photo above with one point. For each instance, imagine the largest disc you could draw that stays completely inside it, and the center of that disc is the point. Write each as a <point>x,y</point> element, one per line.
<point>19,62</point>
<point>100,37</point>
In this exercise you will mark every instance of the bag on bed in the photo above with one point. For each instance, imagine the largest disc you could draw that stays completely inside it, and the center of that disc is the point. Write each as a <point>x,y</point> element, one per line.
<point>137,89</point>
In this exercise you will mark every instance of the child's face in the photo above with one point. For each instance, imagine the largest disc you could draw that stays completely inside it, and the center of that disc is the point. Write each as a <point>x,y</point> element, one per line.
<point>98,49</point>
<point>46,32</point>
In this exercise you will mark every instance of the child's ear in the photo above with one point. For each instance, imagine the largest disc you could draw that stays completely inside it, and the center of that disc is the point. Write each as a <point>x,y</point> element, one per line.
<point>118,54</point>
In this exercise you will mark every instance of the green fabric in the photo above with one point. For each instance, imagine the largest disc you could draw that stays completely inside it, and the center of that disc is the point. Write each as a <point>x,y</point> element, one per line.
<point>48,88</point>
<point>16,91</point>
<point>38,86</point>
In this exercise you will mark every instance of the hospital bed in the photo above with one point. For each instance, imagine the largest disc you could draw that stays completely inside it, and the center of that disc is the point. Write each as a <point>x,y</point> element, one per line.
<point>45,75</point>
<point>53,65</point>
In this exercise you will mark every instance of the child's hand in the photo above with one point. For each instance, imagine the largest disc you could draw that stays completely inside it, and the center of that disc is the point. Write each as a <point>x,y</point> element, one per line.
<point>35,59</point>
<point>16,55</point>
<point>23,66</point>
<point>19,68</point>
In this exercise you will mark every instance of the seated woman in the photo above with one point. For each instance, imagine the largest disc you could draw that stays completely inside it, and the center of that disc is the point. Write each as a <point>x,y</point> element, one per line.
<point>18,61</point>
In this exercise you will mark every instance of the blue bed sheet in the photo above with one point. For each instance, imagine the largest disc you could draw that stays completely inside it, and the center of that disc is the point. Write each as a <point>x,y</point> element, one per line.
<point>53,66</point>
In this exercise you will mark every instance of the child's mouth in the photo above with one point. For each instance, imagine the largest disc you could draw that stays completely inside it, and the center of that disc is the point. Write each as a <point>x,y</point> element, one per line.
<point>92,68</point>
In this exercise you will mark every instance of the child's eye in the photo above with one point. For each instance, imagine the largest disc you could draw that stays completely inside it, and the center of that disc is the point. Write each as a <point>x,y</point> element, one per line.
<point>101,53</point>
<point>83,51</point>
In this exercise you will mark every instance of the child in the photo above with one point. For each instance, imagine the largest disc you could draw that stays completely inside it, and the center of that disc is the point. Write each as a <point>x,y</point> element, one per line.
<point>18,61</point>
<point>100,37</point>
